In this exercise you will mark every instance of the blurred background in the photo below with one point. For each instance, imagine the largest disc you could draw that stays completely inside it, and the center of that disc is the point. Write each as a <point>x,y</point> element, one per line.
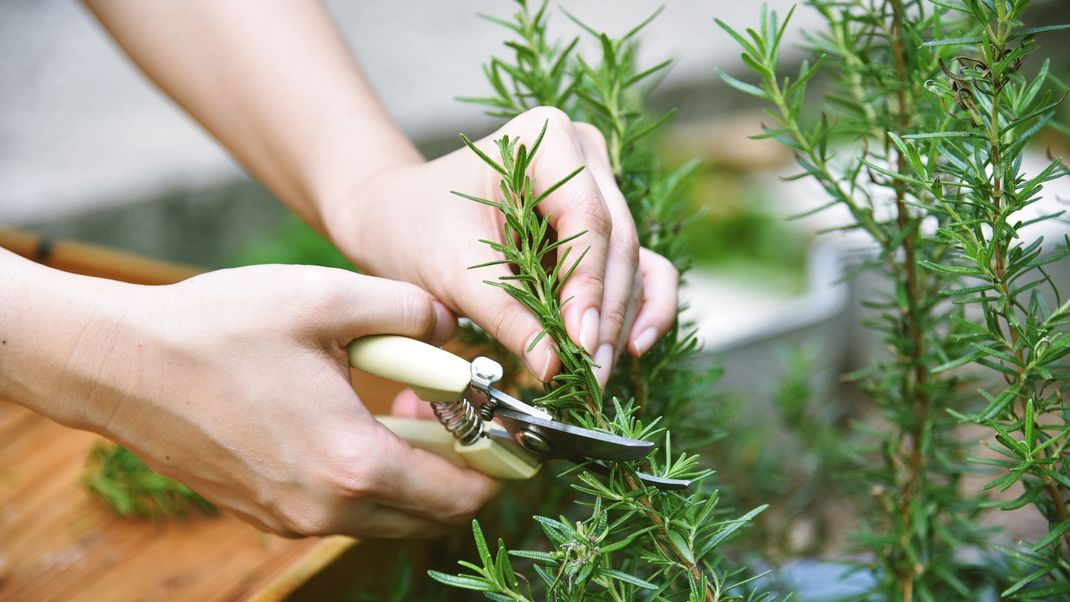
<point>83,134</point>
<point>90,150</point>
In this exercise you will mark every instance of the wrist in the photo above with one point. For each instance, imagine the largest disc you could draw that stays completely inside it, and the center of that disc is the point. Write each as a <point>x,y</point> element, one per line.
<point>62,343</point>
<point>344,167</point>
<point>396,221</point>
<point>357,215</point>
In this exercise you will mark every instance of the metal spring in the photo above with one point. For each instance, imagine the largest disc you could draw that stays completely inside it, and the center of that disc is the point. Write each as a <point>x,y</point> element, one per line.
<point>486,412</point>
<point>460,418</point>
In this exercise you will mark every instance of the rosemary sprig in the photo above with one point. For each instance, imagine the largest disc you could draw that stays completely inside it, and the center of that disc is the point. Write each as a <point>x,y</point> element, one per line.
<point>992,111</point>
<point>126,485</point>
<point>602,556</point>
<point>529,249</point>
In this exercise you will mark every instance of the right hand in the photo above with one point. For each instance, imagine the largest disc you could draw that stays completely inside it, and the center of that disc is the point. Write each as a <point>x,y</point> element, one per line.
<point>236,383</point>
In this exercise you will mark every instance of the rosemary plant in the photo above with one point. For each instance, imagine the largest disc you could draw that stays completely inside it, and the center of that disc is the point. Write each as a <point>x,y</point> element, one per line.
<point>980,189</point>
<point>928,119</point>
<point>632,542</point>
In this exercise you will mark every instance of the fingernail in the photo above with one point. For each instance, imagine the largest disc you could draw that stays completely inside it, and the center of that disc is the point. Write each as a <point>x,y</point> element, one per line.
<point>604,360</point>
<point>645,341</point>
<point>540,358</point>
<point>589,329</point>
<point>548,360</point>
<point>445,324</point>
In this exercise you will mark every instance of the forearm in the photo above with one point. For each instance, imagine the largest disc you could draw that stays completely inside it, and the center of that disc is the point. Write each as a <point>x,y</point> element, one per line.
<point>58,339</point>
<point>274,82</point>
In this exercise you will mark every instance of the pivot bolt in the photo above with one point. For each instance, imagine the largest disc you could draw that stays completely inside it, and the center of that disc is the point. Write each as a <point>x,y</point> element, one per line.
<point>533,442</point>
<point>485,372</point>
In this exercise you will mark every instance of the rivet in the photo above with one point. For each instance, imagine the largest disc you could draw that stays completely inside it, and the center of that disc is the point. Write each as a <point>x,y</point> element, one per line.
<point>533,442</point>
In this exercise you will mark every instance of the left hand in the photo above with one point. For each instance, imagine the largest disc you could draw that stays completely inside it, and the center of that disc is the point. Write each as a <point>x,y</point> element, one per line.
<point>404,224</point>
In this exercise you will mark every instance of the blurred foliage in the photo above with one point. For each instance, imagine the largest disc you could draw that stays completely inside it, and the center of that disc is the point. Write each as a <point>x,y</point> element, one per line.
<point>292,241</point>
<point>791,448</point>
<point>126,485</point>
<point>735,234</point>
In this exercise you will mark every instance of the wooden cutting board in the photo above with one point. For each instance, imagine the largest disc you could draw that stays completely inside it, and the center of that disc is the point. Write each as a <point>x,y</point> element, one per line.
<point>57,543</point>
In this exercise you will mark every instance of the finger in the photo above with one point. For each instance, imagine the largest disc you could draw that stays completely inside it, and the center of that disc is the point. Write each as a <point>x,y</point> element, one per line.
<point>445,325</point>
<point>407,405</point>
<point>623,253</point>
<point>658,310</point>
<point>509,322</point>
<point>575,209</point>
<point>355,306</point>
<point>609,356</point>
<point>389,523</point>
<point>635,301</point>
<point>260,525</point>
<point>424,484</point>
<point>222,498</point>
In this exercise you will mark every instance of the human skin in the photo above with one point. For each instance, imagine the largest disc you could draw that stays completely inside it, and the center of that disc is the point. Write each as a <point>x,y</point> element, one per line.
<point>236,382</point>
<point>274,83</point>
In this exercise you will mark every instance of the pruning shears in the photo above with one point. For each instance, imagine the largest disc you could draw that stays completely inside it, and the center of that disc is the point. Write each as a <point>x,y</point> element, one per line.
<point>482,427</point>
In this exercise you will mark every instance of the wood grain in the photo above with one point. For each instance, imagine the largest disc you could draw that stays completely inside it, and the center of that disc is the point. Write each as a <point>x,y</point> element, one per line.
<point>57,543</point>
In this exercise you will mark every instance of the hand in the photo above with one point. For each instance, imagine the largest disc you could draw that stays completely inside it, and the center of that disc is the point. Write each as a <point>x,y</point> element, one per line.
<point>405,224</point>
<point>320,140</point>
<point>238,386</point>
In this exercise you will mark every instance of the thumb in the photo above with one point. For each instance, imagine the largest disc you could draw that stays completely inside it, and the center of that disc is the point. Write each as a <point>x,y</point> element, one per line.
<point>367,305</point>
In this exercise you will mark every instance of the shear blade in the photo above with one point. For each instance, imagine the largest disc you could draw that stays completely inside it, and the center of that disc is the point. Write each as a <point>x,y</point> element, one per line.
<point>581,446</point>
<point>567,442</point>
<point>663,483</point>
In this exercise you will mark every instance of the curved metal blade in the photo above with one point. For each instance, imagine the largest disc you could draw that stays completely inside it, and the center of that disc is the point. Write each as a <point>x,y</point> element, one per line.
<point>663,483</point>
<point>567,442</point>
<point>575,444</point>
<point>508,401</point>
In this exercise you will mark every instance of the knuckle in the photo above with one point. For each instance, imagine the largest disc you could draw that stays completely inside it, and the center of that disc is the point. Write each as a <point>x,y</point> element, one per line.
<point>587,280</point>
<point>592,134</point>
<point>615,315</point>
<point>418,311</point>
<point>309,520</point>
<point>352,478</point>
<point>322,292</point>
<point>592,215</point>
<point>628,242</point>
<point>463,511</point>
<point>555,117</point>
<point>507,319</point>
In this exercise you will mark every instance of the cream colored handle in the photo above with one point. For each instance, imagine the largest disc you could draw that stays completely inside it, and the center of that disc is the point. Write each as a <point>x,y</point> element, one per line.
<point>434,374</point>
<point>427,435</point>
<point>485,455</point>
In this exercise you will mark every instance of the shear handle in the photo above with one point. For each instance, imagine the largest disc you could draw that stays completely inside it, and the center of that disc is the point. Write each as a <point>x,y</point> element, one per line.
<point>433,373</point>
<point>486,455</point>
